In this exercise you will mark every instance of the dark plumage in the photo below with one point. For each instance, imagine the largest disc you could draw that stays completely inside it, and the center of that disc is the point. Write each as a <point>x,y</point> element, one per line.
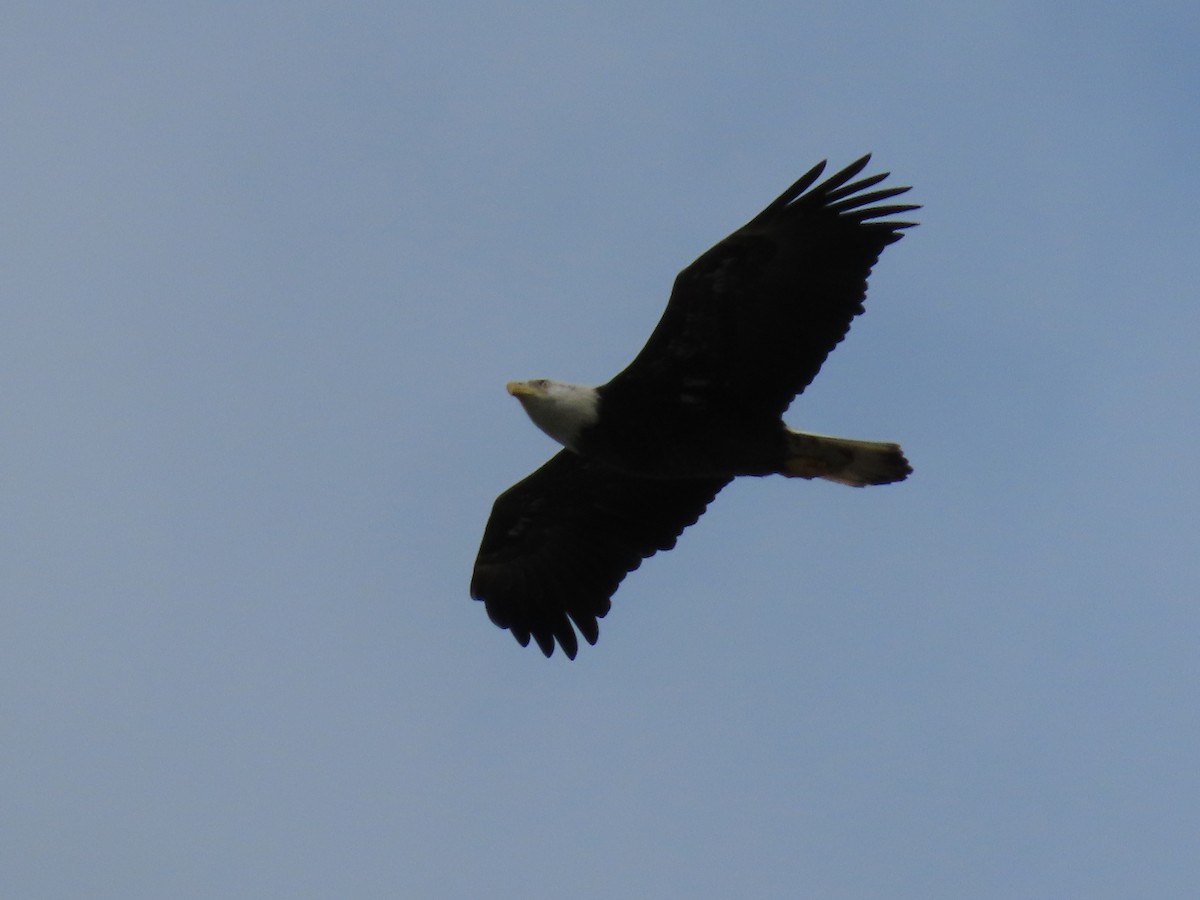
<point>747,328</point>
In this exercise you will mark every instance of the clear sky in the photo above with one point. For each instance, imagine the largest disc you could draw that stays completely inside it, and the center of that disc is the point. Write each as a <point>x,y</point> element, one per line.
<point>265,268</point>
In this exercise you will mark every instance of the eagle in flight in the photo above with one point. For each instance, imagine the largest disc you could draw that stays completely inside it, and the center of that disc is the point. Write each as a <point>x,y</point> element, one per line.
<point>747,328</point>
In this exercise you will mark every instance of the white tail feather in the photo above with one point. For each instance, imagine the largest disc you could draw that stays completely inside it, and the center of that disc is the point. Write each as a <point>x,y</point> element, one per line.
<point>844,460</point>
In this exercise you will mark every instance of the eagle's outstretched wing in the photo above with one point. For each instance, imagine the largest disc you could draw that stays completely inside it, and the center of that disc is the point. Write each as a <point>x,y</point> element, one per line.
<point>559,542</point>
<point>751,321</point>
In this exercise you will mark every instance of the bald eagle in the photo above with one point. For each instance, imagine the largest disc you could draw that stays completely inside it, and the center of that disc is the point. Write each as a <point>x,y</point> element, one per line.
<point>747,328</point>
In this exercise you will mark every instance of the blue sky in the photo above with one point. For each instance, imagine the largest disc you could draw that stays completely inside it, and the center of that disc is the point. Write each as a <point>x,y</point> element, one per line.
<point>266,268</point>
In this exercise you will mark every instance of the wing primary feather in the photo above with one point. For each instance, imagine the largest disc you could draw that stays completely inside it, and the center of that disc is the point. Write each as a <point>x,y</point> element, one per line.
<point>893,231</point>
<point>855,201</point>
<point>861,185</point>
<point>877,212</point>
<point>799,187</point>
<point>587,626</point>
<point>566,636</point>
<point>545,642</point>
<point>835,181</point>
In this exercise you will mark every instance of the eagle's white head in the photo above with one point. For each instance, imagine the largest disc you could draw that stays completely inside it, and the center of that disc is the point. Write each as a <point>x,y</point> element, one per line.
<point>561,410</point>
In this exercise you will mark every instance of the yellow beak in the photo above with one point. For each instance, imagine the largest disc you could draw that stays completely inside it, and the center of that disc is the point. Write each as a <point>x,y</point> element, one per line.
<point>520,389</point>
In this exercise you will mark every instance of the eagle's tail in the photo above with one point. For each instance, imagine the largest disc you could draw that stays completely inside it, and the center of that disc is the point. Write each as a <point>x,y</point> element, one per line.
<point>843,460</point>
